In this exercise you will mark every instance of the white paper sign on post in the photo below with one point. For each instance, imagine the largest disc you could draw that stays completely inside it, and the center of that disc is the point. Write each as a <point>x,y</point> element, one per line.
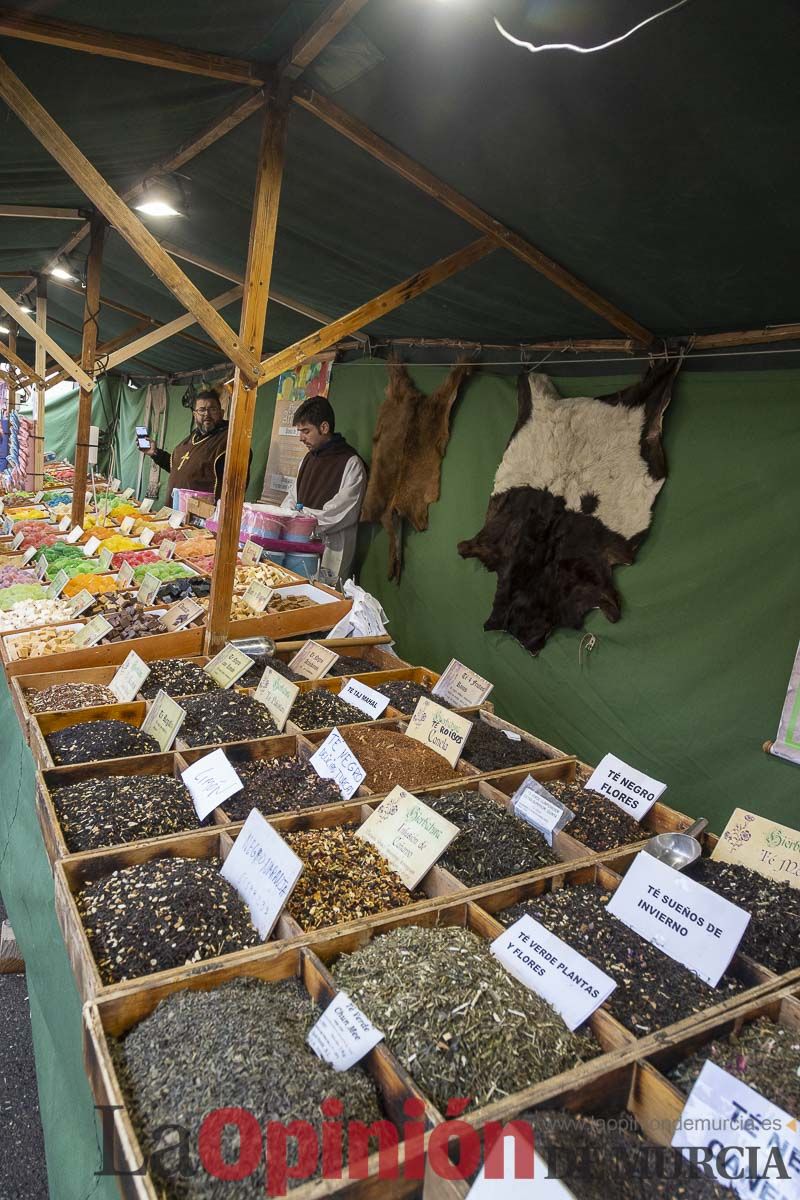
<point>17,541</point>
<point>364,698</point>
<point>64,524</point>
<point>126,495</point>
<point>409,835</point>
<point>57,586</point>
<point>125,575</point>
<point>228,666</point>
<point>166,550</point>
<point>146,505</point>
<point>164,718</point>
<point>128,680</point>
<point>179,615</point>
<point>147,589</point>
<point>533,803</point>
<point>263,870</point>
<point>572,984</point>
<point>344,1034</point>
<point>41,567</point>
<point>257,596</point>
<point>460,686</point>
<point>104,559</point>
<point>439,728</point>
<point>146,536</point>
<point>631,790</point>
<point>80,602</point>
<point>335,760</point>
<point>687,921</point>
<point>251,552</point>
<point>91,633</point>
<point>115,485</point>
<point>754,1145</point>
<point>176,520</point>
<point>512,1177</point>
<point>312,661</point>
<point>90,547</point>
<point>74,535</point>
<point>30,553</point>
<point>277,694</point>
<point>211,780</point>
<point>126,525</point>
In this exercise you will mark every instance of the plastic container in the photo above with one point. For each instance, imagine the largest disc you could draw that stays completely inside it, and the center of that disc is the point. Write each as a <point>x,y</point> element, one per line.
<point>302,564</point>
<point>299,527</point>
<point>275,556</point>
<point>181,496</point>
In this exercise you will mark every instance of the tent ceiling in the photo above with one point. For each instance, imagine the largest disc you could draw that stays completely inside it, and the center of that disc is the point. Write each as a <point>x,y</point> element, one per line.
<point>659,172</point>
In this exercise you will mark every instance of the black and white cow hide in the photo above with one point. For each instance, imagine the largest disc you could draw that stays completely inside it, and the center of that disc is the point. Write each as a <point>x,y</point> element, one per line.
<point>572,499</point>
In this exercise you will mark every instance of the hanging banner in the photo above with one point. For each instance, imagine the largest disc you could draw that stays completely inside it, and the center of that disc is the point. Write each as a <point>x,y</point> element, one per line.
<point>285,451</point>
<point>787,743</point>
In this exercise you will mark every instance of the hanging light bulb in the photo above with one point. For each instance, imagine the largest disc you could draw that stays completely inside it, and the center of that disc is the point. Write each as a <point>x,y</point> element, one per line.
<point>162,197</point>
<point>4,329</point>
<point>63,270</point>
<point>26,308</point>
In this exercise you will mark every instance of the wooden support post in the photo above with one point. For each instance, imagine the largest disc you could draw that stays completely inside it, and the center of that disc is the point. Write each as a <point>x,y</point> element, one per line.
<point>91,315</point>
<point>10,353</point>
<point>41,369</point>
<point>263,226</point>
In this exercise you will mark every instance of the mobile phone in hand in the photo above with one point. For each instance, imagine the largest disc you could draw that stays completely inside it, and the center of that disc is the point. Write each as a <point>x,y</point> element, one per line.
<point>142,438</point>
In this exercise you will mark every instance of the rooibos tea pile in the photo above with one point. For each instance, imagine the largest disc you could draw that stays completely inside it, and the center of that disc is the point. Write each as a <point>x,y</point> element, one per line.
<point>652,989</point>
<point>122,808</point>
<point>63,696</point>
<point>274,785</point>
<point>224,716</point>
<point>492,843</point>
<point>598,823</point>
<point>177,677</point>
<point>489,749</point>
<point>93,741</point>
<point>321,709</point>
<point>391,758</point>
<point>344,878</point>
<point>458,1022</point>
<point>161,914</point>
<point>763,1054</point>
<point>240,1046</point>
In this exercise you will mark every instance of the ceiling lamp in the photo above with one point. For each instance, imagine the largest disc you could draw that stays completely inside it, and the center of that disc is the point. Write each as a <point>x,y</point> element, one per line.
<point>63,269</point>
<point>26,308</point>
<point>4,329</point>
<point>162,197</point>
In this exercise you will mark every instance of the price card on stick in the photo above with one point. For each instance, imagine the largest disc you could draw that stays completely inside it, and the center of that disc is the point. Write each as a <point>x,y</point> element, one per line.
<point>128,680</point>
<point>228,666</point>
<point>37,499</point>
<point>440,728</point>
<point>29,553</point>
<point>335,760</point>
<point>125,575</point>
<point>277,694</point>
<point>74,535</point>
<point>164,718</point>
<point>166,550</point>
<point>211,780</point>
<point>263,870</point>
<point>409,835</point>
<point>91,633</point>
<point>64,524</point>
<point>146,536</point>
<point>572,984</point>
<point>761,845</point>
<point>534,804</point>
<point>126,495</point>
<point>17,541</point>
<point>90,547</point>
<point>104,559</point>
<point>57,586</point>
<point>179,615</point>
<point>41,567</point>
<point>80,602</point>
<point>257,596</point>
<point>461,687</point>
<point>163,514</point>
<point>251,552</point>
<point>148,588</point>
<point>115,485</point>
<point>176,520</point>
<point>126,525</point>
<point>364,698</point>
<point>687,921</point>
<point>631,790</point>
<point>146,505</point>
<point>343,1034</point>
<point>312,661</point>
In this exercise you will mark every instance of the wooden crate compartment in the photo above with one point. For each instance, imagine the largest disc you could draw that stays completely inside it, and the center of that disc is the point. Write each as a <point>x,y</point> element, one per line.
<point>461,770</point>
<point>112,1016</point>
<point>322,615</point>
<point>10,641</point>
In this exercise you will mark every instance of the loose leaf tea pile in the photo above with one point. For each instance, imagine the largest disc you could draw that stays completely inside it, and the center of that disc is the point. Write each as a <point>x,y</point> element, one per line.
<point>455,1018</point>
<point>492,844</point>
<point>177,677</point>
<point>67,696</point>
<point>391,758</point>
<point>162,914</point>
<point>598,1160</point>
<point>93,741</point>
<point>652,989</point>
<point>224,716</point>
<point>404,695</point>
<point>772,936</point>
<point>344,878</point>
<point>122,808</point>
<point>321,709</point>
<point>599,823</point>
<point>489,749</point>
<point>274,785</point>
<point>243,1046</point>
<point>349,664</point>
<point>764,1055</point>
<point>252,677</point>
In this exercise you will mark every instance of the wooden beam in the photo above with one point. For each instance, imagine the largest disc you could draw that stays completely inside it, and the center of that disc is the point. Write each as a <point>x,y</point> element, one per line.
<point>123,338</point>
<point>118,306</point>
<point>151,53</point>
<point>747,337</point>
<point>66,153</point>
<point>393,298</point>
<point>9,352</point>
<point>361,135</point>
<point>37,211</point>
<point>41,371</point>
<point>91,330</point>
<point>133,349</point>
<point>43,339</point>
<point>263,228</point>
<point>310,45</point>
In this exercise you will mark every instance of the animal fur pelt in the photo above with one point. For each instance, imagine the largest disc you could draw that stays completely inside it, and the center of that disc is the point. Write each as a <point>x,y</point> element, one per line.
<point>408,446</point>
<point>572,499</point>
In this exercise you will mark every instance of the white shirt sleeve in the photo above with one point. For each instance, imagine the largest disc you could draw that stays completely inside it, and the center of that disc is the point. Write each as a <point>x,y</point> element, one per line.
<point>344,508</point>
<point>290,500</point>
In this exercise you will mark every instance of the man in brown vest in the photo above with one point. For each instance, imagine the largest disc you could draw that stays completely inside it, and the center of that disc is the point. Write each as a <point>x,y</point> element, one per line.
<point>197,463</point>
<point>330,484</point>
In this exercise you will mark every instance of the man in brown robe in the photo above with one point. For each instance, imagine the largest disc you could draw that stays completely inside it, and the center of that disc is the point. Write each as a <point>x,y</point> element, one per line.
<point>197,463</point>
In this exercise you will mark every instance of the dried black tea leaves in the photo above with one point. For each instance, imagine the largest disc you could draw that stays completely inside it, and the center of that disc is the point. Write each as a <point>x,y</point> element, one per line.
<point>224,716</point>
<point>275,785</point>
<point>488,749</point>
<point>93,741</point>
<point>763,1054</point>
<point>122,808</point>
<point>177,677</point>
<point>598,823</point>
<point>349,664</point>
<point>252,677</point>
<point>492,844</point>
<point>321,709</point>
<point>404,695</point>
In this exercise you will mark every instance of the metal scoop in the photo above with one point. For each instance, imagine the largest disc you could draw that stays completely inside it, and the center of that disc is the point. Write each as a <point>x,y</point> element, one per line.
<point>677,850</point>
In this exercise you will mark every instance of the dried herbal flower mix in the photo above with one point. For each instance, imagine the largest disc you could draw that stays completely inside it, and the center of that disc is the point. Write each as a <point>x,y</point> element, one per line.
<point>122,808</point>
<point>177,677</point>
<point>598,823</point>
<point>65,696</point>
<point>763,1054</point>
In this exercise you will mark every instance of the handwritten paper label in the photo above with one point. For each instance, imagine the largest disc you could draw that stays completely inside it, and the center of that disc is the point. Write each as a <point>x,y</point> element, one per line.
<point>29,553</point>
<point>164,718</point>
<point>335,760</point>
<point>146,536</point>
<point>74,535</point>
<point>89,499</point>
<point>41,567</point>
<point>210,780</point>
<point>277,694</point>
<point>128,680</point>
<point>80,602</point>
<point>343,1034</point>
<point>64,524</point>
<point>8,525</point>
<point>461,687</point>
<point>17,541</point>
<point>409,835</point>
<point>57,586</point>
<point>179,615</point>
<point>573,985</point>
<point>104,559</point>
<point>166,549</point>
<point>257,596</point>
<point>91,633</point>
<point>533,803</point>
<point>761,845</point>
<point>146,505</point>
<point>163,514</point>
<point>115,485</point>
<point>251,552</point>
<point>444,731</point>
<point>176,520</point>
<point>126,495</point>
<point>147,589</point>
<point>312,661</point>
<point>91,546</point>
<point>263,870</point>
<point>631,790</point>
<point>228,666</point>
<point>761,1141</point>
<point>687,921</point>
<point>126,525</point>
<point>125,575</point>
<point>364,698</point>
